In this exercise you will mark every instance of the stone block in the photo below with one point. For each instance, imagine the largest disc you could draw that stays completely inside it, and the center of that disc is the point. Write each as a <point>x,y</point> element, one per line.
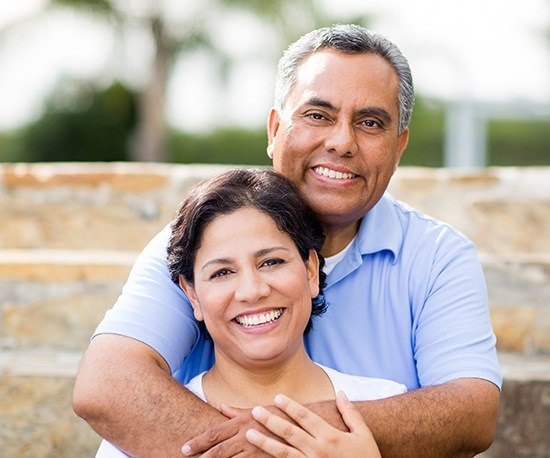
<point>89,206</point>
<point>36,416</point>
<point>56,298</point>
<point>519,299</point>
<point>511,224</point>
<point>524,420</point>
<point>513,327</point>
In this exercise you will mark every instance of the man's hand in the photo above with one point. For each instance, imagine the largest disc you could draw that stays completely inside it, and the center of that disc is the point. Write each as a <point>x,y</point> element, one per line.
<point>229,438</point>
<point>311,436</point>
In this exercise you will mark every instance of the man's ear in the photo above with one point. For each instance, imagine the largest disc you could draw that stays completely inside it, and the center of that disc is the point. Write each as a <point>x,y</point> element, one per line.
<point>189,290</point>
<point>402,141</point>
<point>312,267</point>
<point>273,123</point>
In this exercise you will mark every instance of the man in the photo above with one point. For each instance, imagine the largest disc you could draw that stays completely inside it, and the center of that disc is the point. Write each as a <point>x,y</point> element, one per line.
<point>406,293</point>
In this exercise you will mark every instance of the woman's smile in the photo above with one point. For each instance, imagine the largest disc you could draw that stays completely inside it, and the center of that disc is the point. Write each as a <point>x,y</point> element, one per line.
<point>251,320</point>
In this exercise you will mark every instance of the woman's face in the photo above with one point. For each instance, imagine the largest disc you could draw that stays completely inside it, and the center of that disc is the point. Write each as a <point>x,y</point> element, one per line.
<point>252,288</point>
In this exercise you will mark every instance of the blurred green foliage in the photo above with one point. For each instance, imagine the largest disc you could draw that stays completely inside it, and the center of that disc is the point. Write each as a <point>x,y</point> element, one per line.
<point>521,143</point>
<point>82,124</point>
<point>223,146</point>
<point>426,139</point>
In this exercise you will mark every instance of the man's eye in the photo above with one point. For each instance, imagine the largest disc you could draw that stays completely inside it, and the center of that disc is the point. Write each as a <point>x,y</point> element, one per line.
<point>316,116</point>
<point>371,123</point>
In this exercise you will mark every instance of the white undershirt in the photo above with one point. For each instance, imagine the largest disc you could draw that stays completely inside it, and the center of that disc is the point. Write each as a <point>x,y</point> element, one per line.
<point>331,261</point>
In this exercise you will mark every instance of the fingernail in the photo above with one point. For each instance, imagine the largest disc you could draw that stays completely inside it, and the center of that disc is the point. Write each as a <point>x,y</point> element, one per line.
<point>186,449</point>
<point>342,395</point>
<point>258,412</point>
<point>252,435</point>
<point>279,399</point>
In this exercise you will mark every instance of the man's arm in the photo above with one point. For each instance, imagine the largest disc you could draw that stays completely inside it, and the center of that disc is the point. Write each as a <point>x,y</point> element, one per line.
<point>124,390</point>
<point>457,418</point>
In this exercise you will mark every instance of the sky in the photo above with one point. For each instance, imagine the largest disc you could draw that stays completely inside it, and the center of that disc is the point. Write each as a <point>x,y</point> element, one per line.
<point>491,51</point>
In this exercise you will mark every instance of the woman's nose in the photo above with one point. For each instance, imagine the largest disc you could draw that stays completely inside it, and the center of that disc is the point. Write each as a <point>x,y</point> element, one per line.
<point>251,287</point>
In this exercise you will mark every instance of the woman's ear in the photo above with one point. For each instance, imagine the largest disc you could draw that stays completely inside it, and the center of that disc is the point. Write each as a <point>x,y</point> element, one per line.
<point>189,290</point>
<point>312,267</point>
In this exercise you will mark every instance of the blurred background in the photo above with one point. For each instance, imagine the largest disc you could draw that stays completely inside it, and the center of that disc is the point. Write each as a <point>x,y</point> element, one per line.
<point>191,81</point>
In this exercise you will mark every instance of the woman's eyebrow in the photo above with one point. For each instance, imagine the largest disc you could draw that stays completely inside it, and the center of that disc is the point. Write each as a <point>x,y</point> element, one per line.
<point>265,251</point>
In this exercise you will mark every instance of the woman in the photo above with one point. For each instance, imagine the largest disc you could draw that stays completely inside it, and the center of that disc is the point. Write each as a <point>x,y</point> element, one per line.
<point>245,249</point>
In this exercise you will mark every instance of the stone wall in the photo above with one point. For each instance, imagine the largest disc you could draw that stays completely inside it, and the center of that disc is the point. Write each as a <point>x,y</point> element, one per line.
<point>69,234</point>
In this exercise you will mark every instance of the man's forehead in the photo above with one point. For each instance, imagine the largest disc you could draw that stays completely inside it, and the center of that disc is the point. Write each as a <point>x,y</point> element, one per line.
<point>326,61</point>
<point>330,75</point>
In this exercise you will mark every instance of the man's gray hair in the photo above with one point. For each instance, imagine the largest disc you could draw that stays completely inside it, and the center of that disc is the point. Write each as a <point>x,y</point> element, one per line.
<point>349,39</point>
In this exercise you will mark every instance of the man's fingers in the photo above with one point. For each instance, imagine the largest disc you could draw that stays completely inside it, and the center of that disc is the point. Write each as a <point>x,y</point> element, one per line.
<point>226,439</point>
<point>210,438</point>
<point>225,449</point>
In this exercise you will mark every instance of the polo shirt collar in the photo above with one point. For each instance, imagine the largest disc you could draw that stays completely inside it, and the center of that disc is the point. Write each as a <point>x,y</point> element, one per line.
<point>380,229</point>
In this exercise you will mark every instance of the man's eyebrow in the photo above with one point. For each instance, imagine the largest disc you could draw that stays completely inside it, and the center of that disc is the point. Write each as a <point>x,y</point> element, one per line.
<point>376,112</point>
<point>316,102</point>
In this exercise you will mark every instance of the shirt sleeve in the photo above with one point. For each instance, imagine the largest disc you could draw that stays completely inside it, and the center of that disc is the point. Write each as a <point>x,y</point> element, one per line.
<point>453,336</point>
<point>152,308</point>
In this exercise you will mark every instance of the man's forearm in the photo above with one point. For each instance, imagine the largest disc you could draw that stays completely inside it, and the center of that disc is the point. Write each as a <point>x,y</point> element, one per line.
<point>454,419</point>
<point>126,393</point>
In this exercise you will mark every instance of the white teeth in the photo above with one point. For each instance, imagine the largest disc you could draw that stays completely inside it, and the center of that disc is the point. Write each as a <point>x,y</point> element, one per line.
<point>256,320</point>
<point>333,173</point>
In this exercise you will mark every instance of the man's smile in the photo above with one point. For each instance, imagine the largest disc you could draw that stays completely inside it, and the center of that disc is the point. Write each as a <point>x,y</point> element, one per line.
<point>334,174</point>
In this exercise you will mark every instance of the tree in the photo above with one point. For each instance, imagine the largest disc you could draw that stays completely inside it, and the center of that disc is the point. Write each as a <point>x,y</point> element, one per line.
<point>175,32</point>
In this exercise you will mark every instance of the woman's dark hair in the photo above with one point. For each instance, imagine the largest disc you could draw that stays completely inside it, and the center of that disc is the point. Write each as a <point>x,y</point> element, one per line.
<point>263,189</point>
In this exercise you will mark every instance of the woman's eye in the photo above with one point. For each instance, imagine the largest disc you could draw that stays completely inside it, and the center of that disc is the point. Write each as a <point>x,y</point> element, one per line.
<point>271,262</point>
<point>220,273</point>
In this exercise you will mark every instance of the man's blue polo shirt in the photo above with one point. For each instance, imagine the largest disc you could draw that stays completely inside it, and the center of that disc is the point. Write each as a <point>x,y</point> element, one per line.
<point>408,303</point>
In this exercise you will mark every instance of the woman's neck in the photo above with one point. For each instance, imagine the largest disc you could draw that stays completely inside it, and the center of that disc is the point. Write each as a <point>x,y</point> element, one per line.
<point>245,387</point>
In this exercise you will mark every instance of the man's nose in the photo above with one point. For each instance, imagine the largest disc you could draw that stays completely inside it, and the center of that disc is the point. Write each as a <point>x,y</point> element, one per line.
<point>342,140</point>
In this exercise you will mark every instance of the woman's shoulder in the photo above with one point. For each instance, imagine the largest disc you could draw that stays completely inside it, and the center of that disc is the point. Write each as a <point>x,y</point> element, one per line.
<point>195,386</point>
<point>359,388</point>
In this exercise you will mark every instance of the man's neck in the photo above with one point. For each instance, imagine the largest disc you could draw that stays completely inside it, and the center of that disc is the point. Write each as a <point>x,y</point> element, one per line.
<point>337,238</point>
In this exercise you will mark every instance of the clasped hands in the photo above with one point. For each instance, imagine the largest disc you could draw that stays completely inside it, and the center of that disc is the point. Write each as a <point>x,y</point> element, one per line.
<point>287,429</point>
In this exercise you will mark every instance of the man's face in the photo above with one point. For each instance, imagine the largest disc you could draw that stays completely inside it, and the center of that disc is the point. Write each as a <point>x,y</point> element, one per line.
<point>336,138</point>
